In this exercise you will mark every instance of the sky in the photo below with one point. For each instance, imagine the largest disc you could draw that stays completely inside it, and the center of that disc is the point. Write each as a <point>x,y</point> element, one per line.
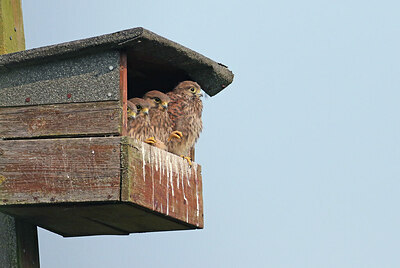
<point>300,154</point>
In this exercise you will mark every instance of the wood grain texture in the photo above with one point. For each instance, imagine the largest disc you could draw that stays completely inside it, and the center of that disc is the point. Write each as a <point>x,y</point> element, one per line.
<point>99,186</point>
<point>59,170</point>
<point>123,86</point>
<point>27,244</point>
<point>94,118</point>
<point>162,182</point>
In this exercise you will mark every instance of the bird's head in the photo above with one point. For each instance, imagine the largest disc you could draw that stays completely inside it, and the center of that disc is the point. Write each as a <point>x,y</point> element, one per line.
<point>157,99</point>
<point>189,88</point>
<point>142,105</point>
<point>132,110</point>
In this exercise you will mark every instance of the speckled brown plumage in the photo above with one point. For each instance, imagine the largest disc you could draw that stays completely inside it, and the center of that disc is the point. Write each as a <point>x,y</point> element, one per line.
<point>160,122</point>
<point>185,109</point>
<point>140,127</point>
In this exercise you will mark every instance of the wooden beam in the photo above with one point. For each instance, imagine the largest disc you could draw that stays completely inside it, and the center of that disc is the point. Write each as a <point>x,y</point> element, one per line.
<point>123,86</point>
<point>72,119</point>
<point>19,241</point>
<point>11,27</point>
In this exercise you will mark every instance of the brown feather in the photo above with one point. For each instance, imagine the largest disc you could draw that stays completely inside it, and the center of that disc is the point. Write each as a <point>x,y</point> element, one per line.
<point>160,122</point>
<point>185,111</point>
<point>140,128</point>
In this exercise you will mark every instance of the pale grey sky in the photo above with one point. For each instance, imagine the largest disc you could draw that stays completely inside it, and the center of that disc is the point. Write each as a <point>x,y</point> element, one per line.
<point>300,154</point>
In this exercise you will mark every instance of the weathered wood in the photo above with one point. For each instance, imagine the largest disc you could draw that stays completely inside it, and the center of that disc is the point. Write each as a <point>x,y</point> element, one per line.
<point>123,86</point>
<point>99,185</point>
<point>71,220</point>
<point>162,182</point>
<point>93,77</point>
<point>27,243</point>
<point>94,118</point>
<point>59,170</point>
<point>12,37</point>
<point>64,219</point>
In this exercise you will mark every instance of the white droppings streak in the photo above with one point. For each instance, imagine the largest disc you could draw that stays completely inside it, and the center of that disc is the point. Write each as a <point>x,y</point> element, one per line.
<point>189,174</point>
<point>144,163</point>
<point>183,191</point>
<point>197,190</point>
<point>171,176</point>
<point>167,197</point>
<point>156,160</point>
<point>175,165</point>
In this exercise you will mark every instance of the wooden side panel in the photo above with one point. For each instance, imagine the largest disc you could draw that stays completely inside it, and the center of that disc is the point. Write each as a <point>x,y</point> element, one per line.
<point>59,170</point>
<point>123,86</point>
<point>94,118</point>
<point>162,182</point>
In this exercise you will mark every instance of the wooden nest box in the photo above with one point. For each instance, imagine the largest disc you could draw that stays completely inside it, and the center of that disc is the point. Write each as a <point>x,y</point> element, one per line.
<point>66,163</point>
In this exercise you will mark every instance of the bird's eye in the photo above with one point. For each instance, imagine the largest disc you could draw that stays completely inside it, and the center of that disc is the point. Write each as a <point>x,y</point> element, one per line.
<point>138,107</point>
<point>192,89</point>
<point>157,100</point>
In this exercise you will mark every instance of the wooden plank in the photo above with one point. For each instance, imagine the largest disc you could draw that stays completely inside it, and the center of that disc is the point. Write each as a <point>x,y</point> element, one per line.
<point>71,220</point>
<point>12,37</point>
<point>162,182</point>
<point>94,118</point>
<point>64,219</point>
<point>123,86</point>
<point>59,170</point>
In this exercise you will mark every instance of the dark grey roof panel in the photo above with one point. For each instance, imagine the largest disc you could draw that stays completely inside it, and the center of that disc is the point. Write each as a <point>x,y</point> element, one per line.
<point>212,76</point>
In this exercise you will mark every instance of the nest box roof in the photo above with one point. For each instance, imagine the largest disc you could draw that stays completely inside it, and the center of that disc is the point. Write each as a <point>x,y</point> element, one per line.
<point>140,44</point>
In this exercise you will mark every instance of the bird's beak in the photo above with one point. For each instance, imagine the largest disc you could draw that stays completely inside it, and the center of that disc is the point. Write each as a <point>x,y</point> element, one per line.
<point>132,115</point>
<point>145,111</point>
<point>200,94</point>
<point>164,105</point>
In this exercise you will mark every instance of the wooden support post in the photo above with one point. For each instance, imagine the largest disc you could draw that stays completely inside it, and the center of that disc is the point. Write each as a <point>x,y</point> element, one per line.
<point>19,240</point>
<point>11,27</point>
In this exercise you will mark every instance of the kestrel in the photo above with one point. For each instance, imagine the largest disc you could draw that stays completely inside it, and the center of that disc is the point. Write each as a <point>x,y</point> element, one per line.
<point>140,127</point>
<point>132,111</point>
<point>185,110</point>
<point>159,119</point>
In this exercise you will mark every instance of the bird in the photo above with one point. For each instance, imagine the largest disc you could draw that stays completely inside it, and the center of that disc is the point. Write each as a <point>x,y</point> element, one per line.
<point>140,127</point>
<point>132,110</point>
<point>185,110</point>
<point>160,121</point>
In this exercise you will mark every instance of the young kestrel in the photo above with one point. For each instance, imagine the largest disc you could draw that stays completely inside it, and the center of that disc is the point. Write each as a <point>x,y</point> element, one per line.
<point>132,111</point>
<point>160,122</point>
<point>185,110</point>
<point>140,127</point>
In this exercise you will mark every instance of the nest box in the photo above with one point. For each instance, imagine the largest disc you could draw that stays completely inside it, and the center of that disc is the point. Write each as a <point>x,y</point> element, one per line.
<point>66,163</point>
